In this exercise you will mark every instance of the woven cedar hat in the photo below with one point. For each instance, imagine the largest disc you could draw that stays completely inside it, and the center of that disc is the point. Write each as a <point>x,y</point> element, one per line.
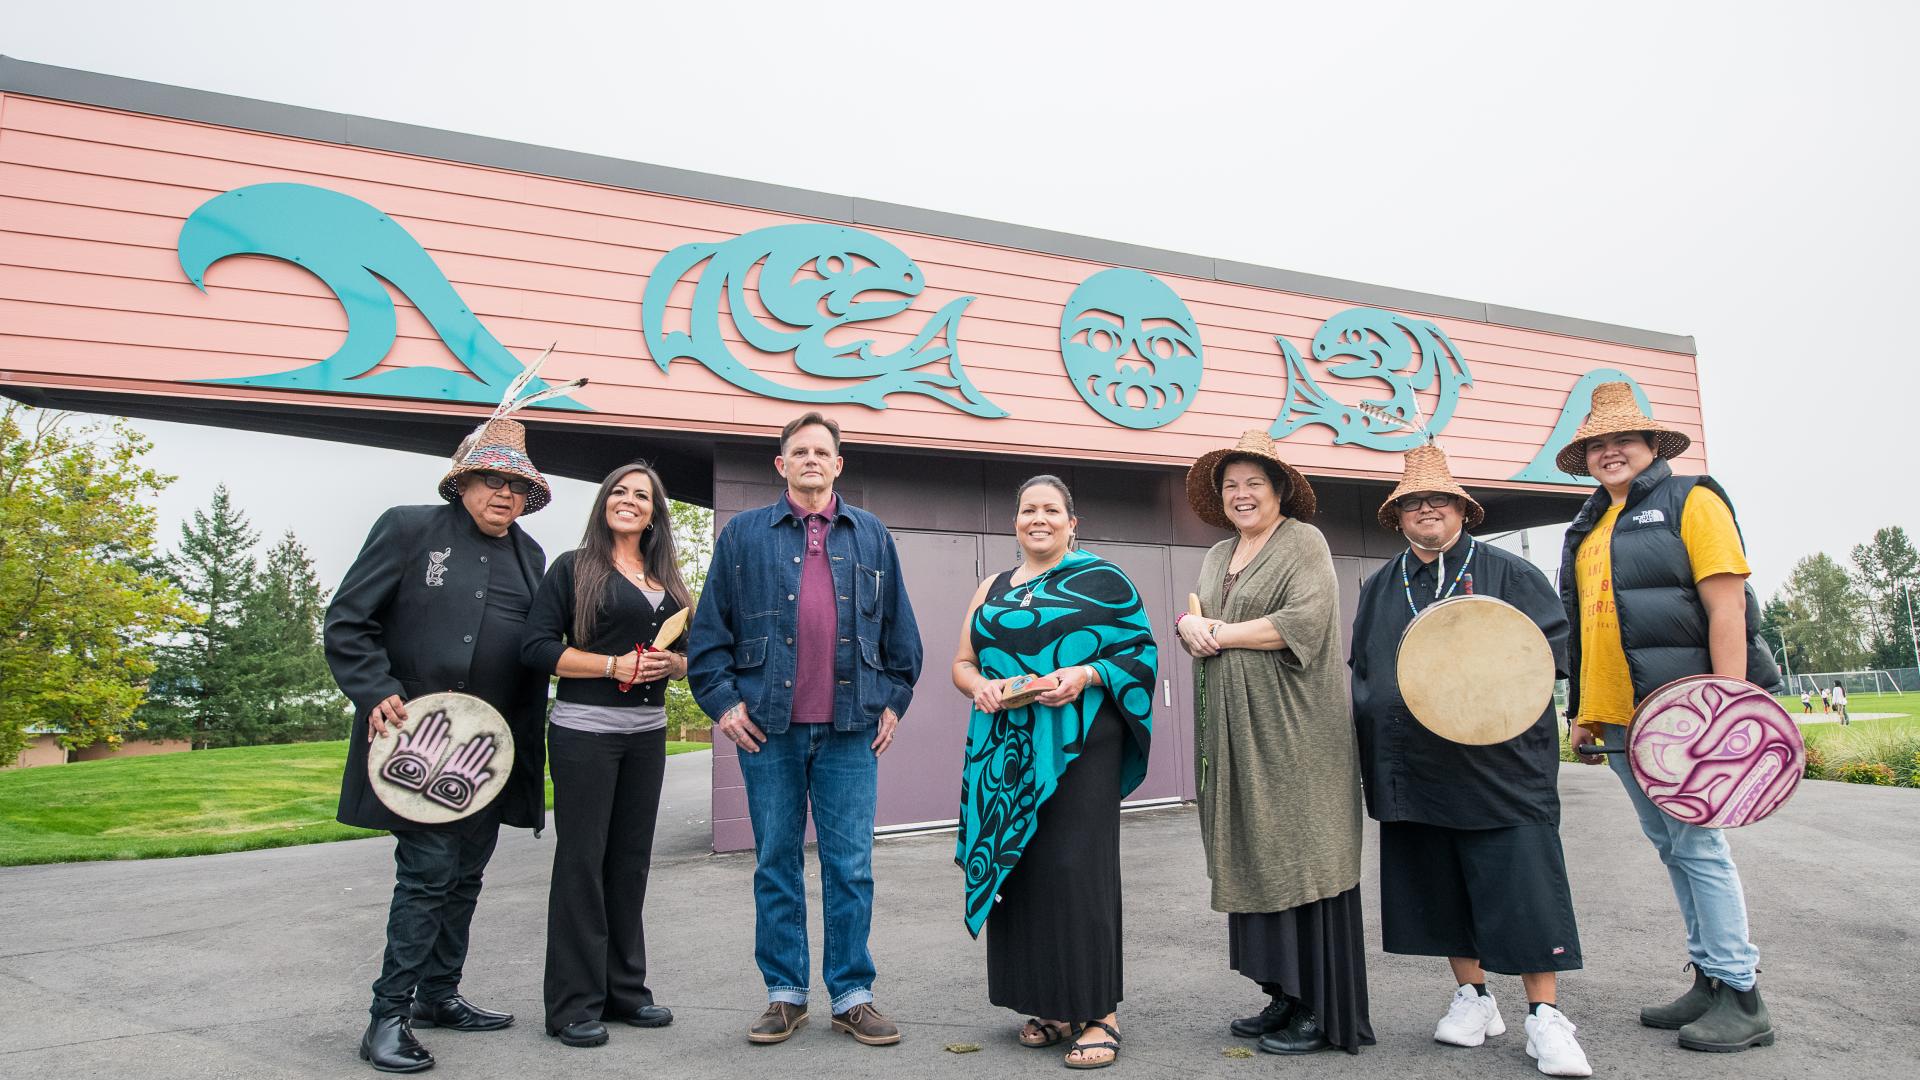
<point>498,446</point>
<point>1426,470</point>
<point>1615,411</point>
<point>1203,480</point>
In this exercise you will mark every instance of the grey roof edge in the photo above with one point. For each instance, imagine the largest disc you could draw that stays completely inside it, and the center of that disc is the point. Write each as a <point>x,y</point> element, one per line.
<point>204,106</point>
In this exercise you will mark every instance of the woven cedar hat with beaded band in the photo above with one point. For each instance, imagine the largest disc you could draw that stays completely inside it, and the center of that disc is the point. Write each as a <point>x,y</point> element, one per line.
<point>1426,470</point>
<point>1616,411</point>
<point>1203,480</point>
<point>500,446</point>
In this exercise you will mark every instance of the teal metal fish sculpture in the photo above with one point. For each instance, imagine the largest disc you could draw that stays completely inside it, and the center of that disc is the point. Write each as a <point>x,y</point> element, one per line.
<point>1409,355</point>
<point>1542,469</point>
<point>357,251</point>
<point>814,279</point>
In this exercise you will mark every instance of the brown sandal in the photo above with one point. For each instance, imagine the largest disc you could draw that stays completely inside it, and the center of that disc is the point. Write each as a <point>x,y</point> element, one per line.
<point>1081,1048</point>
<point>1053,1033</point>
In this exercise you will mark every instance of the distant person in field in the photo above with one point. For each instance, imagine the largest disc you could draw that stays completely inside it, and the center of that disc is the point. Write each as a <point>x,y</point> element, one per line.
<point>1839,700</point>
<point>1806,701</point>
<point>1826,701</point>
<point>1653,576</point>
<point>437,601</point>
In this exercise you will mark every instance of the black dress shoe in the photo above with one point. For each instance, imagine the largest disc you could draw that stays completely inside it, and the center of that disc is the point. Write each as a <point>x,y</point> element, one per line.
<point>580,1033</point>
<point>1302,1035</point>
<point>389,1046</point>
<point>458,1014</point>
<point>1271,1019</point>
<point>648,1016</point>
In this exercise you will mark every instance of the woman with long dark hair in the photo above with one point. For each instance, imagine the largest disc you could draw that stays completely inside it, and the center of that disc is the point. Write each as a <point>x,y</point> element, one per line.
<point>598,608</point>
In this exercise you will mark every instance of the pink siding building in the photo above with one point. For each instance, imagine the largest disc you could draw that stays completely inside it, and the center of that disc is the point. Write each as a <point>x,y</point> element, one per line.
<point>180,255</point>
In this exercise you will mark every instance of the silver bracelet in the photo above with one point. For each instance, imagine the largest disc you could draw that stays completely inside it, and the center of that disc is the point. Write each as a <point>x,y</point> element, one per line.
<point>608,674</point>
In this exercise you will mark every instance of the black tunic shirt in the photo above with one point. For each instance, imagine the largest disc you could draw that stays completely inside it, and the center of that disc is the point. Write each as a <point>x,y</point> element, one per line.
<point>1411,774</point>
<point>627,618</point>
<point>496,647</point>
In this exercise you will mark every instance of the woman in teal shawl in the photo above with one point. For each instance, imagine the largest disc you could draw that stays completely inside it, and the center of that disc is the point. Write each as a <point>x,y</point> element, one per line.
<point>1039,841</point>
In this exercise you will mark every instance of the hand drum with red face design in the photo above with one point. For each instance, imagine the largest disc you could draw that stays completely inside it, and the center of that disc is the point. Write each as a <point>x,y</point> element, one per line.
<point>448,761</point>
<point>1715,752</point>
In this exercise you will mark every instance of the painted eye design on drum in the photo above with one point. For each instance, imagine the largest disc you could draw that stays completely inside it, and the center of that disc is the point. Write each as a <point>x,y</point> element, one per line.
<point>416,752</point>
<point>464,773</point>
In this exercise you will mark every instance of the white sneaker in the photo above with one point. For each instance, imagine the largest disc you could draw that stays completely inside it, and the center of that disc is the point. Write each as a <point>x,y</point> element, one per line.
<point>1471,1017</point>
<point>1551,1044</point>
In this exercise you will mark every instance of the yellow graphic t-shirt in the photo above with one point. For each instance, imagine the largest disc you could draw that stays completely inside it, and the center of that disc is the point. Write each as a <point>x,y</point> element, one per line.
<point>1713,547</point>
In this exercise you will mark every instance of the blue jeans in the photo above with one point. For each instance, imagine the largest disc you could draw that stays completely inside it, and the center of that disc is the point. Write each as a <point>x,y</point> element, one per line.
<point>837,773</point>
<point>1705,882</point>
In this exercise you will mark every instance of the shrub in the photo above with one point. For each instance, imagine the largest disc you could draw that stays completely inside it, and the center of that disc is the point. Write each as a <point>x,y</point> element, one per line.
<point>1816,763</point>
<point>1866,772</point>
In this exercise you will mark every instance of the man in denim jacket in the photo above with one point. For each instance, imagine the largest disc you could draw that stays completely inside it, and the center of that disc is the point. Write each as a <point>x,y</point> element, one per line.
<point>805,648</point>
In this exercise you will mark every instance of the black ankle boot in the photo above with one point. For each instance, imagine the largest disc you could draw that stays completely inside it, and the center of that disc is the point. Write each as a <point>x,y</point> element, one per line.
<point>1270,1019</point>
<point>1736,1020</point>
<point>1684,1009</point>
<point>389,1046</point>
<point>1302,1035</point>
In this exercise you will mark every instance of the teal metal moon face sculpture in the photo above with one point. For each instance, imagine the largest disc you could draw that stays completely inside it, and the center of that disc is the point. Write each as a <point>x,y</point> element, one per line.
<point>813,280</point>
<point>353,248</point>
<point>1131,348</point>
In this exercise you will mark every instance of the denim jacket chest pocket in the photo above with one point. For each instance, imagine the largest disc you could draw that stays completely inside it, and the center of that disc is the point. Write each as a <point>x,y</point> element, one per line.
<point>869,588</point>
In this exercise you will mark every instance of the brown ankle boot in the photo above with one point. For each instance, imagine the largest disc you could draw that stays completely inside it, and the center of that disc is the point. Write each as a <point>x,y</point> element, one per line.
<point>865,1024</point>
<point>778,1023</point>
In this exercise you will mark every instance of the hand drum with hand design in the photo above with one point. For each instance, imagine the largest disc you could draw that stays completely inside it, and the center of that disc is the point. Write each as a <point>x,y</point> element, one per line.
<point>448,761</point>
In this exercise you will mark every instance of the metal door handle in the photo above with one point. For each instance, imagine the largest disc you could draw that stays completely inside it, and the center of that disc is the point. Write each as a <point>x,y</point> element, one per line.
<point>1166,692</point>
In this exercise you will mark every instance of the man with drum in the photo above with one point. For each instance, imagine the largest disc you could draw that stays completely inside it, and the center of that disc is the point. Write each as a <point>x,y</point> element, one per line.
<point>1653,577</point>
<point>436,601</point>
<point>1471,866</point>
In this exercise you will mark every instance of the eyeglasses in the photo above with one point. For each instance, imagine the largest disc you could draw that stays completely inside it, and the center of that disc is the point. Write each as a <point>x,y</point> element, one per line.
<point>1407,504</point>
<point>495,482</point>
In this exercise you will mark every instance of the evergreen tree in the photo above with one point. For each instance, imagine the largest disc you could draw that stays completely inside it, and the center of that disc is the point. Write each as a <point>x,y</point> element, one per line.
<point>1884,569</point>
<point>1823,616</point>
<point>76,608</point>
<point>289,693</point>
<point>200,690</point>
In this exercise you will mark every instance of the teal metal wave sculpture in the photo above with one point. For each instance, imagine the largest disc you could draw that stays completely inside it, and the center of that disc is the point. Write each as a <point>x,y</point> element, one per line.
<point>813,280</point>
<point>1131,348</point>
<point>1409,355</point>
<point>357,251</point>
<point>1542,469</point>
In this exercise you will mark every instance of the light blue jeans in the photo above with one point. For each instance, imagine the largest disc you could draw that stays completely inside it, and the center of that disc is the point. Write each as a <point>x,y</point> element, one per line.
<point>1705,882</point>
<point>837,774</point>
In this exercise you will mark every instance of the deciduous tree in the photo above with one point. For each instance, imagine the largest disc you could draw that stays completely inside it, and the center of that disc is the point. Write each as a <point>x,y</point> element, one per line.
<point>1823,616</point>
<point>1884,568</point>
<point>77,607</point>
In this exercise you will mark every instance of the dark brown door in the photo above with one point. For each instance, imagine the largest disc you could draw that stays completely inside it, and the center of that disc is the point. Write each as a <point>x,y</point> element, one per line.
<point>920,773</point>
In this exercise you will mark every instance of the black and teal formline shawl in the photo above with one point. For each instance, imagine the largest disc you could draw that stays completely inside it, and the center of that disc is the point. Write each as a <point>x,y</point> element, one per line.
<point>1083,611</point>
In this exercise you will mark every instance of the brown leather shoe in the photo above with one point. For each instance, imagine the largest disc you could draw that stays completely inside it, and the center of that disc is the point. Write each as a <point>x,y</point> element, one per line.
<point>778,1023</point>
<point>865,1024</point>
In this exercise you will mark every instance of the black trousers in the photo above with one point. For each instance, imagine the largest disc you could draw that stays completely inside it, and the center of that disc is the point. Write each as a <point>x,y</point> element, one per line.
<point>606,799</point>
<point>436,884</point>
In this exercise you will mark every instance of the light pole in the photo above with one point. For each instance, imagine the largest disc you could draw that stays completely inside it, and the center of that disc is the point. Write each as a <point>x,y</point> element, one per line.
<point>1785,660</point>
<point>1912,638</point>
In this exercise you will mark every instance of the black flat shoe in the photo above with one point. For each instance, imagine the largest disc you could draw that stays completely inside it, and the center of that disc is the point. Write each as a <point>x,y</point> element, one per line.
<point>1270,1019</point>
<point>458,1014</point>
<point>648,1016</point>
<point>389,1046</point>
<point>581,1033</point>
<point>1302,1035</point>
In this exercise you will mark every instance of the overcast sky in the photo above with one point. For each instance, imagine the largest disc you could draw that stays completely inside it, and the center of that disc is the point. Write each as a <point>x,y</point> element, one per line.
<point>1742,172</point>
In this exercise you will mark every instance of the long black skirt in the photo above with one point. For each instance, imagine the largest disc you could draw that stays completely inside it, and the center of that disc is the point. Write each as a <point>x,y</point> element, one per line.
<point>1316,954</point>
<point>1053,939</point>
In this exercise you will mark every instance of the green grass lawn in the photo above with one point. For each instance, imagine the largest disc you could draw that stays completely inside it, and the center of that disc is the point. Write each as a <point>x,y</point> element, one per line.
<point>181,804</point>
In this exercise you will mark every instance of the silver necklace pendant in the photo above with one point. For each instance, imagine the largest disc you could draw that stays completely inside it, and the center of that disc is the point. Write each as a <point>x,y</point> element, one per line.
<point>1027,600</point>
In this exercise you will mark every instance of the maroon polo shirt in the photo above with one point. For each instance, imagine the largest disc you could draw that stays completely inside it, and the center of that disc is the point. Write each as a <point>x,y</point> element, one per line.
<point>819,622</point>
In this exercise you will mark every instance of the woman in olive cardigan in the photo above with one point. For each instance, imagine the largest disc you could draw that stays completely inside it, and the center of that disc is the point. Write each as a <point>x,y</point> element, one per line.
<point>599,605</point>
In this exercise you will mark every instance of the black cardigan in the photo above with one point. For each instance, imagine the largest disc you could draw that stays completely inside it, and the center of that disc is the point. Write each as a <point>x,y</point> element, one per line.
<point>626,620</point>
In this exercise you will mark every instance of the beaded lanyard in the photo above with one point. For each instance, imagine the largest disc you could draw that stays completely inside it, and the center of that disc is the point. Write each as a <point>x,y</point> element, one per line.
<point>1406,583</point>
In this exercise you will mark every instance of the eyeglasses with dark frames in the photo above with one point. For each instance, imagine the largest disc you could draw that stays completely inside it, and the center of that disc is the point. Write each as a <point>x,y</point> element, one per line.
<point>495,482</point>
<point>1407,504</point>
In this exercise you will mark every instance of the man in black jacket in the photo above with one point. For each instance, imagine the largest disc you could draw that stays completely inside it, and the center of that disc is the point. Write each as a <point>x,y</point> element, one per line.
<point>436,601</point>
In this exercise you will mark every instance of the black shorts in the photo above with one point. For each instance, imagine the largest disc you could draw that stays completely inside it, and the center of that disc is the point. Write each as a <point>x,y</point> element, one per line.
<point>1498,896</point>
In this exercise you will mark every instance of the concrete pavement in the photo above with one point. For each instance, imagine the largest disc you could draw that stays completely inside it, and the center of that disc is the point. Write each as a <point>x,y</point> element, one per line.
<point>256,965</point>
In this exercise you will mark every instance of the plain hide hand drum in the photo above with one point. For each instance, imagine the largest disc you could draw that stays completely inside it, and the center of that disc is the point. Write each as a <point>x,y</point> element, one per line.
<point>1714,752</point>
<point>1475,670</point>
<point>448,761</point>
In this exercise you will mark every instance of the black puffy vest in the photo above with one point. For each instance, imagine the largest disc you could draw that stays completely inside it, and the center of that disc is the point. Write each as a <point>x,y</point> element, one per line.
<point>1663,626</point>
